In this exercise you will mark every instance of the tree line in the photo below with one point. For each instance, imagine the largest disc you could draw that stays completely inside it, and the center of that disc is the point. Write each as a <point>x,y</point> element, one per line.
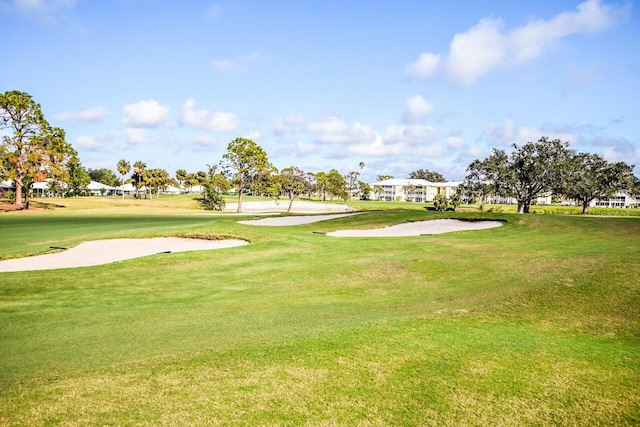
<point>547,167</point>
<point>32,150</point>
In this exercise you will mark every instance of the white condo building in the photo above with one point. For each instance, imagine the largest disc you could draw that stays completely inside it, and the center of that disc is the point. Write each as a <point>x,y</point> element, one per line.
<point>412,190</point>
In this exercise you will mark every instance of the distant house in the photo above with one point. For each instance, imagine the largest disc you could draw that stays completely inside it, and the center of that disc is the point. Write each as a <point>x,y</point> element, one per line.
<point>170,189</point>
<point>412,190</point>
<point>100,189</point>
<point>6,186</point>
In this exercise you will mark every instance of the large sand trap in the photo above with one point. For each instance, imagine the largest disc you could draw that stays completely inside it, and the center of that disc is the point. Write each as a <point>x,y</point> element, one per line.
<point>284,221</point>
<point>106,251</point>
<point>434,226</point>
<point>299,206</point>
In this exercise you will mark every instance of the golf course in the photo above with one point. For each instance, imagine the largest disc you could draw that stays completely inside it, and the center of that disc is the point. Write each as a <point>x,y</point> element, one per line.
<point>532,323</point>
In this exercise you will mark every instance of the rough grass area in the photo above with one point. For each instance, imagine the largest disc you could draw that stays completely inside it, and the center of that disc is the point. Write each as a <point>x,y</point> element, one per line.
<point>533,323</point>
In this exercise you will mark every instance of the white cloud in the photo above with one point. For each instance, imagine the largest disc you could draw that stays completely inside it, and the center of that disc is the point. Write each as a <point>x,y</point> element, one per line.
<point>214,121</point>
<point>476,52</point>
<point>417,110</point>
<point>509,133</point>
<point>254,136</point>
<point>136,135</point>
<point>486,45</point>
<point>285,126</point>
<point>410,134</point>
<point>336,131</point>
<point>303,148</point>
<point>101,142</point>
<point>87,142</point>
<point>455,141</point>
<point>424,67</point>
<point>145,114</point>
<point>88,116</point>
<point>394,147</point>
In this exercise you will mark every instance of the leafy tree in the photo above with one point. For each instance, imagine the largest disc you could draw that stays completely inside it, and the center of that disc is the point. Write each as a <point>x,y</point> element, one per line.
<point>455,200</point>
<point>478,185</point>
<point>384,177</point>
<point>246,160</point>
<point>215,186</point>
<point>431,176</point>
<point>32,147</point>
<point>634,188</point>
<point>588,177</point>
<point>78,177</point>
<point>377,190</point>
<point>138,170</point>
<point>322,184</point>
<point>440,202</point>
<point>104,176</point>
<point>292,182</point>
<point>364,189</point>
<point>408,190</point>
<point>530,171</point>
<point>310,183</point>
<point>337,185</point>
<point>123,169</point>
<point>352,182</point>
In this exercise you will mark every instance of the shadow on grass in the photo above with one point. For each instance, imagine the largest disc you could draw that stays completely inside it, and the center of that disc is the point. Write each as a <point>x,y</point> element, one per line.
<point>33,206</point>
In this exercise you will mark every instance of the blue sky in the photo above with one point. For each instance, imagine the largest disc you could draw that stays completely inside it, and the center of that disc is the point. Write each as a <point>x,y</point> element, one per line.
<point>399,86</point>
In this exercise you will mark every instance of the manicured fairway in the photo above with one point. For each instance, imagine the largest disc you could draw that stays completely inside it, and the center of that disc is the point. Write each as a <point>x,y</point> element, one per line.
<point>533,323</point>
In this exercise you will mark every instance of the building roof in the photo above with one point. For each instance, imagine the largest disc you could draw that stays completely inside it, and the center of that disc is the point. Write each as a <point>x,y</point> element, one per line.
<point>93,185</point>
<point>416,182</point>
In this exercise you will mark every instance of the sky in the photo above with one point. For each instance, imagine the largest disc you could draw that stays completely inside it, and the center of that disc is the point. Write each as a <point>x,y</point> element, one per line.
<point>321,85</point>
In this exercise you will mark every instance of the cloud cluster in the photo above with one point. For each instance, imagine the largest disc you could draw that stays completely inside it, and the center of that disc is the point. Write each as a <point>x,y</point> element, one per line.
<point>336,137</point>
<point>91,115</point>
<point>145,114</point>
<point>214,121</point>
<point>487,46</point>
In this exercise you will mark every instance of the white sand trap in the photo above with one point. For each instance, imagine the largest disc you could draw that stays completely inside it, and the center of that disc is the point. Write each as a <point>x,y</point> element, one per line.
<point>106,251</point>
<point>434,226</point>
<point>299,206</point>
<point>285,221</point>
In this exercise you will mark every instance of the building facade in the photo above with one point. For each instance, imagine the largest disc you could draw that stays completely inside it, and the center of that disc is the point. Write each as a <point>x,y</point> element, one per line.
<point>411,190</point>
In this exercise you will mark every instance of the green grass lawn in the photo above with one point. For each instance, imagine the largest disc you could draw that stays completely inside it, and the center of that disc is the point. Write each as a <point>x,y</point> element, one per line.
<point>533,323</point>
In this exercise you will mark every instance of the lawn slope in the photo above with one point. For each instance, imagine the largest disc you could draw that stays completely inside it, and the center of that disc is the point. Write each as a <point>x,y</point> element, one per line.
<point>533,323</point>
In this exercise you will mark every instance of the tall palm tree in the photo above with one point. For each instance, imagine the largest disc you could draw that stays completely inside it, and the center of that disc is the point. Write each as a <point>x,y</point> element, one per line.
<point>123,168</point>
<point>138,168</point>
<point>181,176</point>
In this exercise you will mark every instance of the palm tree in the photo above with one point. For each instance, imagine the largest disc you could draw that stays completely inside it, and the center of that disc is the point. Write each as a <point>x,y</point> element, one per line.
<point>138,168</point>
<point>123,168</point>
<point>181,176</point>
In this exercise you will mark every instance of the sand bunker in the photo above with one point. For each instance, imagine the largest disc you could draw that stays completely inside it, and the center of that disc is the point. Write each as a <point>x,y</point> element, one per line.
<point>105,251</point>
<point>299,206</point>
<point>435,226</point>
<point>285,221</point>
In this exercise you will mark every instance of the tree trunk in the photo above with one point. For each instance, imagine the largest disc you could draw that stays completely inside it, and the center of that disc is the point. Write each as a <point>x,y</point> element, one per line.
<point>239,202</point>
<point>585,207</point>
<point>290,203</point>
<point>18,202</point>
<point>26,198</point>
<point>520,207</point>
